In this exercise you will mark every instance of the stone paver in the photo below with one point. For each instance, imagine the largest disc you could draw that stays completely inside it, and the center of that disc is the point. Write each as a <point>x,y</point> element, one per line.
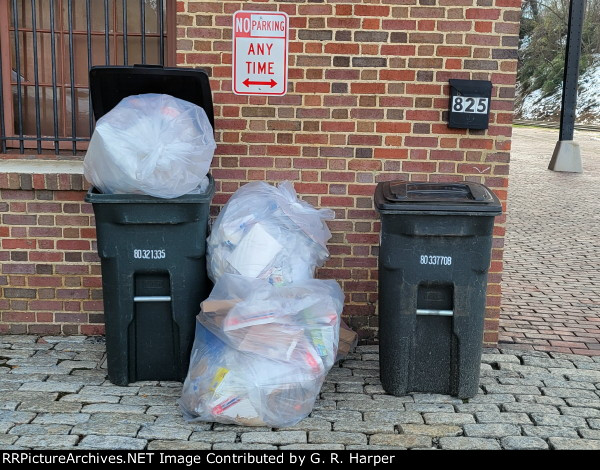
<point>50,387</point>
<point>529,408</point>
<point>242,446</point>
<point>279,437</point>
<point>448,418</point>
<point>102,429</point>
<point>468,443</point>
<point>545,432</point>
<point>16,416</point>
<point>163,432</point>
<point>5,426</point>
<point>112,442</point>
<point>563,443</point>
<point>509,418</point>
<point>46,441</point>
<point>316,424</point>
<point>407,417</point>
<point>523,443</point>
<point>594,423</point>
<point>434,430</point>
<point>325,437</point>
<point>213,437</point>
<point>313,447</point>
<point>366,427</point>
<point>429,407</point>
<point>39,429</point>
<point>558,420</point>
<point>590,433</point>
<point>407,441</point>
<point>178,445</point>
<point>493,430</point>
<point>61,418</point>
<point>7,440</point>
<point>111,408</point>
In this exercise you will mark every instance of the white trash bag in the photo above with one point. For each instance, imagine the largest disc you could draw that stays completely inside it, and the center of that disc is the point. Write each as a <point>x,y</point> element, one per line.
<point>266,232</point>
<point>151,144</point>
<point>262,352</point>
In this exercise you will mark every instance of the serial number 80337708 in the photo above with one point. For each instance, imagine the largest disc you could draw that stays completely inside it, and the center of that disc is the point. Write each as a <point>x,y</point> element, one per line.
<point>149,254</point>
<point>436,260</point>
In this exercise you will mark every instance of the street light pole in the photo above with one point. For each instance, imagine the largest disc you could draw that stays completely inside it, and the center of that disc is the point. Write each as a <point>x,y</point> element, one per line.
<point>567,156</point>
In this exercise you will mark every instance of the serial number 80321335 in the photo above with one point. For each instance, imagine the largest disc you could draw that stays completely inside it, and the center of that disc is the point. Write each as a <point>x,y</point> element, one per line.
<point>149,254</point>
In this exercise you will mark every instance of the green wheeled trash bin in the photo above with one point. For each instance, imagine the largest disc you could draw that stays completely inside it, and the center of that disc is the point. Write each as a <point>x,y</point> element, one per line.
<point>152,250</point>
<point>434,255</point>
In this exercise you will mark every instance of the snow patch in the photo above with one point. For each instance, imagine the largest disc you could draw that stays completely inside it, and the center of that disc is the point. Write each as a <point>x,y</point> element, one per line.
<point>537,107</point>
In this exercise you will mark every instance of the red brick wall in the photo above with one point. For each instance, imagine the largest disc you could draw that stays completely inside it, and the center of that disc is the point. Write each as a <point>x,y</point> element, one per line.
<point>50,278</point>
<point>366,103</point>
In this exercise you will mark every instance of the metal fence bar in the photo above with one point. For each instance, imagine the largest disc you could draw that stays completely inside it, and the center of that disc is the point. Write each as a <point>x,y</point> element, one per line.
<point>161,42</point>
<point>125,41</point>
<point>88,24</point>
<point>106,33</point>
<point>54,87</point>
<point>18,65</point>
<point>2,127</point>
<point>143,28</point>
<point>38,126</point>
<point>72,74</point>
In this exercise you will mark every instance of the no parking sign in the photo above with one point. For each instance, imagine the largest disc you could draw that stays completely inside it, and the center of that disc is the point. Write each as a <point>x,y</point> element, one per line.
<point>260,53</point>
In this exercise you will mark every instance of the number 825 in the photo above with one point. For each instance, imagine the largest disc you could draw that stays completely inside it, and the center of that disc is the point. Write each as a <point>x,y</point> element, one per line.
<point>469,104</point>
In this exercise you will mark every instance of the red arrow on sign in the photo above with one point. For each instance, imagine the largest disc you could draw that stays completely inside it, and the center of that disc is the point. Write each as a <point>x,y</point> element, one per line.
<point>247,83</point>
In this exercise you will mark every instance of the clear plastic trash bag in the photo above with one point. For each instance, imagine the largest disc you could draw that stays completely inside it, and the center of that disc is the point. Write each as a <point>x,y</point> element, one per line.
<point>151,144</point>
<point>266,232</point>
<point>261,352</point>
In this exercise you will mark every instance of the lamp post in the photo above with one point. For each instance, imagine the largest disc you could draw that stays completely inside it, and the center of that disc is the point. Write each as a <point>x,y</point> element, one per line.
<point>567,156</point>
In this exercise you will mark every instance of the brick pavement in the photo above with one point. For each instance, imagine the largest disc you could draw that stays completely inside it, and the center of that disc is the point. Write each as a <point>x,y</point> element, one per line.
<point>551,281</point>
<point>55,395</point>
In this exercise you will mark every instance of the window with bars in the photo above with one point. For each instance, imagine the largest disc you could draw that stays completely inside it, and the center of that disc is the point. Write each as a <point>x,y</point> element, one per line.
<point>46,50</point>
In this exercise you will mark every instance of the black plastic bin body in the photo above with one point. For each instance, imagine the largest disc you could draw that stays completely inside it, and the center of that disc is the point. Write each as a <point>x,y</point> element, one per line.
<point>153,257</point>
<point>434,255</point>
<point>152,250</point>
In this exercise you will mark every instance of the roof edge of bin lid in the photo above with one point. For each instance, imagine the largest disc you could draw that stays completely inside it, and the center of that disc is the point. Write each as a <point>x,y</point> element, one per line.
<point>467,197</point>
<point>448,211</point>
<point>110,84</point>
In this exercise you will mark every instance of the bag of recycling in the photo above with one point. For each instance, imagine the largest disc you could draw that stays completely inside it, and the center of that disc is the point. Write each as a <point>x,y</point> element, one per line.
<point>262,352</point>
<point>266,232</point>
<point>151,144</point>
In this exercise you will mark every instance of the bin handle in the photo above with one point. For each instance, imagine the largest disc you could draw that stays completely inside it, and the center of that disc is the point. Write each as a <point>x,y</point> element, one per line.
<point>440,313</point>
<point>152,298</point>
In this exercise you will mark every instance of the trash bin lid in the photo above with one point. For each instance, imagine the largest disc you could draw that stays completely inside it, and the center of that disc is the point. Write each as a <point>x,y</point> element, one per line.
<point>436,197</point>
<point>110,84</point>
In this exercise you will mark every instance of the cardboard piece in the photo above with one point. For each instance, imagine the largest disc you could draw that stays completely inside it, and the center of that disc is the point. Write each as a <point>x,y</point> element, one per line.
<point>254,252</point>
<point>348,339</point>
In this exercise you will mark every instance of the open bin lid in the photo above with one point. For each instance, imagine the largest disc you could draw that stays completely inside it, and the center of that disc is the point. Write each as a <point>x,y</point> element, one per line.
<point>436,197</point>
<point>110,84</point>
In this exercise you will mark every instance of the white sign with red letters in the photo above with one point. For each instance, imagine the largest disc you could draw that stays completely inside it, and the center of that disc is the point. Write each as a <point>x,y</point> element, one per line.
<point>260,53</point>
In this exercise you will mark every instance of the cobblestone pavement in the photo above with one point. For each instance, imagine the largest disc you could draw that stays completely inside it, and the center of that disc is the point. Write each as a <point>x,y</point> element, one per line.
<point>551,281</point>
<point>54,394</point>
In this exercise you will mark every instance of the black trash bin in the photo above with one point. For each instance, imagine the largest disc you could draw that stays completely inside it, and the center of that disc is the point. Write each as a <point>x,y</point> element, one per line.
<point>152,250</point>
<point>434,255</point>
